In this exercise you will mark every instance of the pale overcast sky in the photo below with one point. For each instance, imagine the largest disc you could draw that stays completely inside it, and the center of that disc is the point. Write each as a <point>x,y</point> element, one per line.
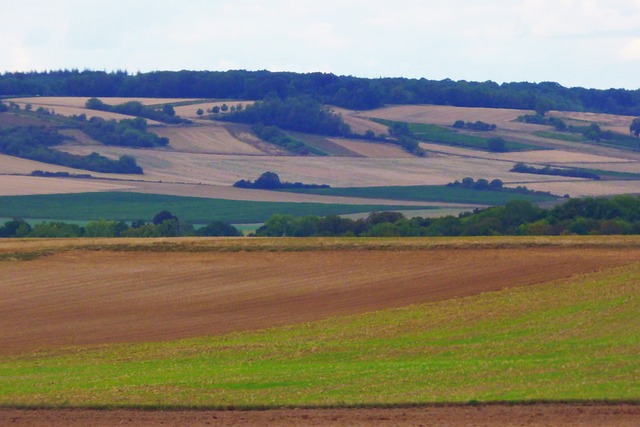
<point>591,43</point>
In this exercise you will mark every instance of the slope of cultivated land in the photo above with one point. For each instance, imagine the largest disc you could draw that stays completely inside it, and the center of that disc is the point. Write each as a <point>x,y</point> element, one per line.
<point>446,116</point>
<point>359,123</point>
<point>587,188</point>
<point>373,149</point>
<point>80,101</point>
<point>191,111</point>
<point>212,139</point>
<point>11,185</point>
<point>336,171</point>
<point>555,157</point>
<point>568,340</point>
<point>611,122</point>
<point>113,296</point>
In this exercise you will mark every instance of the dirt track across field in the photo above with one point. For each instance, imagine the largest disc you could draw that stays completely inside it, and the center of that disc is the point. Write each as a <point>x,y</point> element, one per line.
<point>91,297</point>
<point>478,416</point>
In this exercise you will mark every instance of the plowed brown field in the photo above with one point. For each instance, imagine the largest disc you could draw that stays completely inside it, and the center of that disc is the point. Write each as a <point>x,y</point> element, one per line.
<point>478,416</point>
<point>90,297</point>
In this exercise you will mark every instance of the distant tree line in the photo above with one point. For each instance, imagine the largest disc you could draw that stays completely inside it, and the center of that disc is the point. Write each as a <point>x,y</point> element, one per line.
<point>297,113</point>
<point>548,170</point>
<point>494,185</point>
<point>47,174</point>
<point>35,142</point>
<point>164,224</point>
<point>123,133</point>
<point>476,126</point>
<point>594,216</point>
<point>271,181</point>
<point>344,91</point>
<point>135,108</point>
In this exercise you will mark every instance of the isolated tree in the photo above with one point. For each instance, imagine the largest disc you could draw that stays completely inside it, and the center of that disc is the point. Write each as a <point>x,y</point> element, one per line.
<point>497,145</point>
<point>634,128</point>
<point>168,110</point>
<point>224,108</point>
<point>199,112</point>
<point>268,180</point>
<point>215,109</point>
<point>542,107</point>
<point>163,216</point>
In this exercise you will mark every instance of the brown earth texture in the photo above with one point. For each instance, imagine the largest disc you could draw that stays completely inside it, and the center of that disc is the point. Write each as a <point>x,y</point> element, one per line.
<point>79,295</point>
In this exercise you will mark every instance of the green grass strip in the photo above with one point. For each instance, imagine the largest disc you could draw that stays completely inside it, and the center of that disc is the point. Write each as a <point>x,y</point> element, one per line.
<point>429,193</point>
<point>571,340</point>
<point>134,206</point>
<point>446,136</point>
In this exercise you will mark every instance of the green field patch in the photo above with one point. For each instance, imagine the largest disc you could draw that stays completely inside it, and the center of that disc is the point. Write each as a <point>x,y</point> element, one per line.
<point>446,136</point>
<point>570,340</point>
<point>429,193</point>
<point>559,136</point>
<point>134,206</point>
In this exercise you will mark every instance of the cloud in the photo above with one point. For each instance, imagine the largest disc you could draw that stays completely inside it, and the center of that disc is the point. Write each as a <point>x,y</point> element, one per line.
<point>631,50</point>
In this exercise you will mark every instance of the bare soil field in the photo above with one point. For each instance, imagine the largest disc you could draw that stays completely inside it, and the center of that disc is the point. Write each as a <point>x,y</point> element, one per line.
<point>478,416</point>
<point>110,296</point>
<point>212,139</point>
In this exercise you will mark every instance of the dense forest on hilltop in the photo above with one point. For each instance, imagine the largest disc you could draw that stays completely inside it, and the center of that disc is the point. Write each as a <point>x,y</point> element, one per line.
<point>343,91</point>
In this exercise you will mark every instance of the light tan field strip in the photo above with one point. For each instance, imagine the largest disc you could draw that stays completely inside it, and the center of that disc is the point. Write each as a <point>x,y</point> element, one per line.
<point>160,292</point>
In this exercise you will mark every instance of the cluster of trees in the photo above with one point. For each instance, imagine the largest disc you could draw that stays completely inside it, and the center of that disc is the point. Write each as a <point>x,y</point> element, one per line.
<point>494,185</point>
<point>541,119</point>
<point>296,113</point>
<point>135,108</point>
<point>124,133</point>
<point>46,174</point>
<point>404,138</point>
<point>548,170</point>
<point>35,142</point>
<point>271,181</point>
<point>619,215</point>
<point>164,224</point>
<point>276,136</point>
<point>477,125</point>
<point>591,131</point>
<point>344,91</point>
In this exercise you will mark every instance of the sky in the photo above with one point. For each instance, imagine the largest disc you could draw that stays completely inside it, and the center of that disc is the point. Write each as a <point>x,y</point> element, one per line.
<point>588,43</point>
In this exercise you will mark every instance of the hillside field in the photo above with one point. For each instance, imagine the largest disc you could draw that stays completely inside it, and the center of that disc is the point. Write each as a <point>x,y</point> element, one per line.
<point>179,323</point>
<point>207,155</point>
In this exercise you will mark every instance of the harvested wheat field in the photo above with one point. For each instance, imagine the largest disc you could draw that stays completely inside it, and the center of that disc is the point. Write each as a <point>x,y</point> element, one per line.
<point>26,185</point>
<point>373,150</point>
<point>445,115</point>
<point>612,122</point>
<point>212,139</point>
<point>111,296</point>
<point>191,111</point>
<point>80,101</point>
